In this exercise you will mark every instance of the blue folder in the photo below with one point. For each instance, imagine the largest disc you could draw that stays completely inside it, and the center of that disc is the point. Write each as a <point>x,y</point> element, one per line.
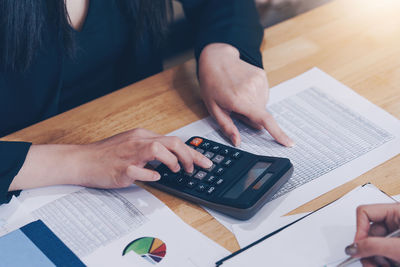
<point>35,245</point>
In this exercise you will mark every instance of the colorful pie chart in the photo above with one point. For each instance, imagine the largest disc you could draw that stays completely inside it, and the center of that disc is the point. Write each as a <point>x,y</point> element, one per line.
<point>150,248</point>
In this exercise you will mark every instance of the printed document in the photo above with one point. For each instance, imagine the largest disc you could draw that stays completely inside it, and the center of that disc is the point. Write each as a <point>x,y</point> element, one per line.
<point>339,135</point>
<point>13,216</point>
<point>316,241</point>
<point>124,227</point>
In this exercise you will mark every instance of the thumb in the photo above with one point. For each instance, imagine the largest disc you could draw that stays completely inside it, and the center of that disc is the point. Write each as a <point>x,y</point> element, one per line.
<point>142,174</point>
<point>376,246</point>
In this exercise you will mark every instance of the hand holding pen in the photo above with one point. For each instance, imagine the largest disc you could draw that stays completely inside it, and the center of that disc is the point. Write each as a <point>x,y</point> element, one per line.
<point>377,239</point>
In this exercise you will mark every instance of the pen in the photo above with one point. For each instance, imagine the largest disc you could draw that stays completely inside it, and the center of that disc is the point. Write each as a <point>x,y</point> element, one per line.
<point>351,260</point>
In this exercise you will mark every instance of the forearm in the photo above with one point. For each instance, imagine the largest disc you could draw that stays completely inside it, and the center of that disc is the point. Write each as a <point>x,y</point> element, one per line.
<point>225,21</point>
<point>115,162</point>
<point>47,165</point>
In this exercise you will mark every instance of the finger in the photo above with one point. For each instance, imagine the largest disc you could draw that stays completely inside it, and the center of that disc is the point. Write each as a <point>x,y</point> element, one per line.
<point>261,117</point>
<point>157,151</point>
<point>141,174</point>
<point>378,229</point>
<point>378,246</point>
<point>227,126</point>
<point>377,213</point>
<point>264,118</point>
<point>368,262</point>
<point>247,121</point>
<point>200,160</point>
<point>381,261</point>
<point>181,151</point>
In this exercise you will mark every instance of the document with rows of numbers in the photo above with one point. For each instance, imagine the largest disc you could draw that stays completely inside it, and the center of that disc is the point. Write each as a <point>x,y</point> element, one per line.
<point>339,135</point>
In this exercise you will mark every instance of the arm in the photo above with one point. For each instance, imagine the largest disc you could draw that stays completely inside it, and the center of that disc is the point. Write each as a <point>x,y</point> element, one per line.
<point>114,162</point>
<point>233,22</point>
<point>231,77</point>
<point>12,155</point>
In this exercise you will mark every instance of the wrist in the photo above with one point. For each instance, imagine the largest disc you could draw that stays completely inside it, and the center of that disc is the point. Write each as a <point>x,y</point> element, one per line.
<point>89,162</point>
<point>47,165</point>
<point>219,51</point>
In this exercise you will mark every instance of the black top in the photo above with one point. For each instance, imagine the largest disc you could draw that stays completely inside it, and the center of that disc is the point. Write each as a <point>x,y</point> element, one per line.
<point>107,59</point>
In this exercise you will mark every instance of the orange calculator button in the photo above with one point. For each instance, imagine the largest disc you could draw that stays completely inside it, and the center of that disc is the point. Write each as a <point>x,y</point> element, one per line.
<point>196,141</point>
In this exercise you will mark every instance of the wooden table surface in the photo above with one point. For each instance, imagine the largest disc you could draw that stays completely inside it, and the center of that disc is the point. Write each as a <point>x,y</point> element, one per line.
<point>355,41</point>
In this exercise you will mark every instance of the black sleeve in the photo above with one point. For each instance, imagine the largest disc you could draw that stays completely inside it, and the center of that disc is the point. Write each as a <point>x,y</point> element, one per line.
<point>234,22</point>
<point>12,157</point>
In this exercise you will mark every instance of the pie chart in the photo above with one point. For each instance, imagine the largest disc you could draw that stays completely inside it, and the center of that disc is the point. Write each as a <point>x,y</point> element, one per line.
<point>150,248</point>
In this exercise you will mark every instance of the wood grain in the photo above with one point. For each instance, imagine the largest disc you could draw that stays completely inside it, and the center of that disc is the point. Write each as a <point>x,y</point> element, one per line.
<point>355,41</point>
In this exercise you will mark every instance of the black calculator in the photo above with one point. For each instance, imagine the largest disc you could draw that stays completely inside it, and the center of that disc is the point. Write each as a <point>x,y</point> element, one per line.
<point>238,183</point>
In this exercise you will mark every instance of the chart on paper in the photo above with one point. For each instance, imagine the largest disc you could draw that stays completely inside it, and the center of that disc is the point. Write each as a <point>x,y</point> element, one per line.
<point>150,248</point>
<point>328,135</point>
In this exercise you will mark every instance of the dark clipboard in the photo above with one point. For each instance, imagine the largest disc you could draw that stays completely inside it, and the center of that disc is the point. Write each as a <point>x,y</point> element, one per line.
<point>221,261</point>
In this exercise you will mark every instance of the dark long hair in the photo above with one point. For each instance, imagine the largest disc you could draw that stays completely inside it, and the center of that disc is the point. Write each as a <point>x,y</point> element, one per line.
<point>23,26</point>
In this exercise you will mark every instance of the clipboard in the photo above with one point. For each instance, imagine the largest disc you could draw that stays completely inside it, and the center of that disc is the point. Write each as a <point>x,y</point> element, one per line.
<point>221,261</point>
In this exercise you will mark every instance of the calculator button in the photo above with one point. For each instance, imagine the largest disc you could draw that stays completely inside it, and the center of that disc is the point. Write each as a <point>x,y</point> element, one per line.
<point>200,150</point>
<point>220,181</point>
<point>211,179</point>
<point>200,175</point>
<point>227,163</point>
<point>190,174</point>
<point>236,155</point>
<point>209,154</point>
<point>201,187</point>
<point>219,171</point>
<point>167,176</point>
<point>180,179</point>
<point>225,151</point>
<point>206,145</point>
<point>215,148</point>
<point>196,141</point>
<point>218,159</point>
<point>210,190</point>
<point>191,184</point>
<point>211,168</point>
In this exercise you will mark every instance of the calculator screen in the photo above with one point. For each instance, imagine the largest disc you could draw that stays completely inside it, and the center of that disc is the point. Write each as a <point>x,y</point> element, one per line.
<point>248,179</point>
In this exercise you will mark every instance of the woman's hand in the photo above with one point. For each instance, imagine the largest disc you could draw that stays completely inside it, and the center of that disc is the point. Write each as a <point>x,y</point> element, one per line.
<point>373,223</point>
<point>229,85</point>
<point>120,160</point>
<point>114,162</point>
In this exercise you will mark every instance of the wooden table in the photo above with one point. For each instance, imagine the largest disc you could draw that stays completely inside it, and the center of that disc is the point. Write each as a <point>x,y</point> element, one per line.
<point>355,41</point>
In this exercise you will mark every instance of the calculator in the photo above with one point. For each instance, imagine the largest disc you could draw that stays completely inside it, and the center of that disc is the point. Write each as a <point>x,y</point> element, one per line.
<point>238,183</point>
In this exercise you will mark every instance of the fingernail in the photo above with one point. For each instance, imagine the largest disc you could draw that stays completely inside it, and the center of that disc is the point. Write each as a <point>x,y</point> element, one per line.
<point>156,176</point>
<point>290,143</point>
<point>351,249</point>
<point>177,168</point>
<point>234,140</point>
<point>208,163</point>
<point>190,169</point>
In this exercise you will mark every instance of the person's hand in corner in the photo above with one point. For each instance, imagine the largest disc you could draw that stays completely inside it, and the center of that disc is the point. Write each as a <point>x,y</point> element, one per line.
<point>231,86</point>
<point>374,222</point>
